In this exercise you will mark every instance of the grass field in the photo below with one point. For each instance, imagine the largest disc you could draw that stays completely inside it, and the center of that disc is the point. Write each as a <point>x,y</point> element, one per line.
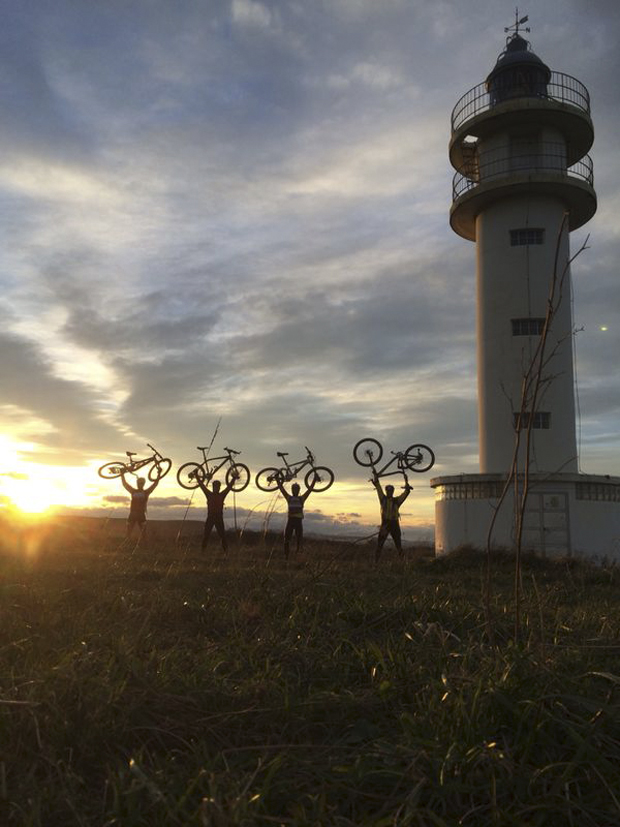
<point>157,686</point>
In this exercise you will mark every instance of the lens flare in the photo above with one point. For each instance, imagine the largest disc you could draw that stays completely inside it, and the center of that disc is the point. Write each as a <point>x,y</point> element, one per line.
<point>31,496</point>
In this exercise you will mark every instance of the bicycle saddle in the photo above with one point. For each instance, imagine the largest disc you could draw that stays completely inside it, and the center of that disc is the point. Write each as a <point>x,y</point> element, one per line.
<point>282,453</point>
<point>201,449</point>
<point>130,454</point>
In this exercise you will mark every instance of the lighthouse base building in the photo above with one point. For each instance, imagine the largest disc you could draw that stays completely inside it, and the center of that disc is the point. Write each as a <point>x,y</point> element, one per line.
<point>523,183</point>
<point>565,515</point>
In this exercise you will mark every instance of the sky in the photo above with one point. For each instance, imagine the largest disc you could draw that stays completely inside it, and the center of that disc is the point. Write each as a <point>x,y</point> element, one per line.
<point>237,210</point>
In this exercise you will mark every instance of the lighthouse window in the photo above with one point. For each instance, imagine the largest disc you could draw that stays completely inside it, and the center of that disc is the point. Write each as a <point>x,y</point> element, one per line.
<point>603,492</point>
<point>470,491</point>
<point>541,419</point>
<point>527,327</point>
<point>527,236</point>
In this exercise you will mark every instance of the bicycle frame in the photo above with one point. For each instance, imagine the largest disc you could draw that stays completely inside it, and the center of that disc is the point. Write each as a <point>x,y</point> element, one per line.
<point>211,472</point>
<point>397,457</point>
<point>157,461</point>
<point>134,465</point>
<point>368,452</point>
<point>292,469</point>
<point>319,478</point>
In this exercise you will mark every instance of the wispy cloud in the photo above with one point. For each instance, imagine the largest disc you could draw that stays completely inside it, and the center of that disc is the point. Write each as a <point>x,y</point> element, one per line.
<point>240,210</point>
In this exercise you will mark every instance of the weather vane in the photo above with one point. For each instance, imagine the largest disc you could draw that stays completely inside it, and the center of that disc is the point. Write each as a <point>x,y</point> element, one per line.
<point>518,22</point>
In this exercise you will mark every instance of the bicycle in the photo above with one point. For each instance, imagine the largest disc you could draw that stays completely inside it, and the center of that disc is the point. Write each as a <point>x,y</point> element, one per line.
<point>160,466</point>
<point>318,478</point>
<point>237,474</point>
<point>368,453</point>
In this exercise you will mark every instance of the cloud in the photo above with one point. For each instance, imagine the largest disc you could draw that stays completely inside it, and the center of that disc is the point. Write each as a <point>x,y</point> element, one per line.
<point>70,411</point>
<point>252,13</point>
<point>240,210</point>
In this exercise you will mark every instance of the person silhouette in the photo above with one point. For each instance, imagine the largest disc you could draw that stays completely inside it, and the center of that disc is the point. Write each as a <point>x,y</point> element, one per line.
<point>390,515</point>
<point>215,512</point>
<point>295,520</point>
<point>137,509</point>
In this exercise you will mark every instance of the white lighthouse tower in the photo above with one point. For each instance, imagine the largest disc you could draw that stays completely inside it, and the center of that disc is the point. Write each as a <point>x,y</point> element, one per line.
<point>523,182</point>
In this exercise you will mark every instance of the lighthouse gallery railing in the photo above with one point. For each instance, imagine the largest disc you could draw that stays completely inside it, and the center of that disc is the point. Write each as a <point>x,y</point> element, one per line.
<point>561,88</point>
<point>547,158</point>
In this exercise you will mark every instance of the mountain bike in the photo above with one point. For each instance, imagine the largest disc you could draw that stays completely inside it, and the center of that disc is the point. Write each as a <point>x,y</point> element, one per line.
<point>318,477</point>
<point>369,452</point>
<point>159,466</point>
<point>237,474</point>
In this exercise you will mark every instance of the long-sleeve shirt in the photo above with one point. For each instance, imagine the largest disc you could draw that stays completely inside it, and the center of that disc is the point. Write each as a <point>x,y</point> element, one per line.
<point>390,505</point>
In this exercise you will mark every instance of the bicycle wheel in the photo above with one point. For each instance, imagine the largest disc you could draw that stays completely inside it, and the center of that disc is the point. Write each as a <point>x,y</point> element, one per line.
<point>239,475</point>
<point>189,474</point>
<point>112,470</point>
<point>159,469</point>
<point>267,479</point>
<point>319,478</point>
<point>419,458</point>
<point>367,452</point>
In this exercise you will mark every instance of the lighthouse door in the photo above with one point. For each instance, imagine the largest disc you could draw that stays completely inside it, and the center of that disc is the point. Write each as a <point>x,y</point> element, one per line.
<point>546,524</point>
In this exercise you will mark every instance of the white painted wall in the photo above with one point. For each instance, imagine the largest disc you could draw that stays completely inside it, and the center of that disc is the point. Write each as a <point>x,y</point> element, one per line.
<point>514,282</point>
<point>567,526</point>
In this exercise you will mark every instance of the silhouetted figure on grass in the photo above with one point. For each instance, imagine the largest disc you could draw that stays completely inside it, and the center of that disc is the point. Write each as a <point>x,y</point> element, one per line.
<point>295,521</point>
<point>215,512</point>
<point>389,515</point>
<point>137,509</point>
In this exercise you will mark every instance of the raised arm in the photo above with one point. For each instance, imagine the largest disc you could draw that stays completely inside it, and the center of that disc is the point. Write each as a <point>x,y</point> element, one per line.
<point>280,485</point>
<point>151,487</point>
<point>377,485</point>
<point>126,485</point>
<point>202,486</point>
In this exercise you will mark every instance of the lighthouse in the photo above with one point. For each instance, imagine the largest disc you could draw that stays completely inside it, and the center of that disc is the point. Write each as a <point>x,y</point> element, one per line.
<point>523,182</point>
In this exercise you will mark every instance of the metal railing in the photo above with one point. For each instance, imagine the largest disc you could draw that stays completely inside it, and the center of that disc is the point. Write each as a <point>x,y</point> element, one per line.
<point>502,163</point>
<point>562,88</point>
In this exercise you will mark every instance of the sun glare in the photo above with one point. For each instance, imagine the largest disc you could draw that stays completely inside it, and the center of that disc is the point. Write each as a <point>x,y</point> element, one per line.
<point>36,488</point>
<point>33,498</point>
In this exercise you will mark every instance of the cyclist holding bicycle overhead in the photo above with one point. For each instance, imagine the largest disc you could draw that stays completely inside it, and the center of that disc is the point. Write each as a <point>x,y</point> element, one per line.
<point>137,509</point>
<point>389,514</point>
<point>295,521</point>
<point>215,511</point>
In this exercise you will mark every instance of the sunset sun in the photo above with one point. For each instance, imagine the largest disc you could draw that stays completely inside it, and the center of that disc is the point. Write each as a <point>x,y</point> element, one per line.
<point>31,496</point>
<point>34,488</point>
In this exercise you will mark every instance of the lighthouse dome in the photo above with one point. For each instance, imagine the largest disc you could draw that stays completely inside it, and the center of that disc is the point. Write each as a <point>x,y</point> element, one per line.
<point>518,73</point>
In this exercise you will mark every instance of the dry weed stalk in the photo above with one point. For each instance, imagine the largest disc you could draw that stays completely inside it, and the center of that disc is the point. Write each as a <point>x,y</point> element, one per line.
<point>534,381</point>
